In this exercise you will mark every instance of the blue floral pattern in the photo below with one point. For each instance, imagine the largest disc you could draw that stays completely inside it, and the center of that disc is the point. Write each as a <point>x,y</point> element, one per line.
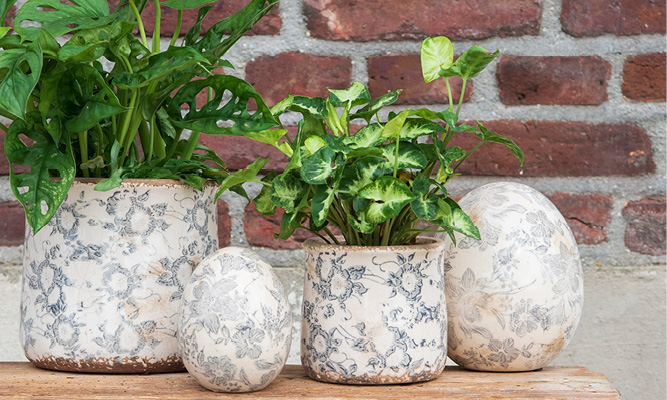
<point>235,326</point>
<point>103,280</point>
<point>374,316</point>
<point>515,297</point>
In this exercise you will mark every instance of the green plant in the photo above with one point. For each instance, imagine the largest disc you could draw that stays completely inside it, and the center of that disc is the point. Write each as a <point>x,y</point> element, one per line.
<point>109,104</point>
<point>377,184</point>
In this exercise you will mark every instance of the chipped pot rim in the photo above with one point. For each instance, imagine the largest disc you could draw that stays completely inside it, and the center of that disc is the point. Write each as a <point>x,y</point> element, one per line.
<point>423,243</point>
<point>142,182</point>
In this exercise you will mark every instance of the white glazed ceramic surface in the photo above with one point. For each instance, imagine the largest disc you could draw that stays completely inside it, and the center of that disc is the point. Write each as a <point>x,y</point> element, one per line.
<point>102,282</point>
<point>374,315</point>
<point>235,325</point>
<point>515,297</point>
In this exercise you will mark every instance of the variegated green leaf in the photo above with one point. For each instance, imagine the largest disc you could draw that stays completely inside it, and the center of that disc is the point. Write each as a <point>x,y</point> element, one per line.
<point>393,127</point>
<point>436,54</point>
<point>263,202</point>
<point>314,143</point>
<point>416,127</point>
<point>315,106</point>
<point>320,166</point>
<point>388,196</point>
<point>409,155</point>
<point>360,224</point>
<point>368,136</point>
<point>357,94</point>
<point>370,109</point>
<point>362,173</point>
<point>287,191</point>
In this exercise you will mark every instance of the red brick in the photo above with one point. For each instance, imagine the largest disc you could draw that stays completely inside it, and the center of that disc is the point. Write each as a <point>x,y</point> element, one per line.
<point>556,148</point>
<point>619,17</point>
<point>645,231</point>
<point>417,19</point>
<point>587,214</point>
<point>299,74</point>
<point>224,224</point>
<point>644,78</point>
<point>269,25</point>
<point>259,230</point>
<point>4,163</point>
<point>553,80</point>
<point>9,19</point>
<point>391,72</point>
<point>12,224</point>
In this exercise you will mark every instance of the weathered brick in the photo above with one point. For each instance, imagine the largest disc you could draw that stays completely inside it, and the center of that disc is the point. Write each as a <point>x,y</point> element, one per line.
<point>587,214</point>
<point>645,78</point>
<point>12,224</point>
<point>553,80</point>
<point>259,230</point>
<point>224,224</point>
<point>417,19</point>
<point>403,71</point>
<point>645,231</point>
<point>274,77</point>
<point>269,25</point>
<point>557,148</point>
<point>619,17</point>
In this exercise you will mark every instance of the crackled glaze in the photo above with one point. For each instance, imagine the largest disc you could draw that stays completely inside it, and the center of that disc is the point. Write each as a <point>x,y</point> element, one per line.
<point>102,282</point>
<point>235,325</point>
<point>515,297</point>
<point>374,315</point>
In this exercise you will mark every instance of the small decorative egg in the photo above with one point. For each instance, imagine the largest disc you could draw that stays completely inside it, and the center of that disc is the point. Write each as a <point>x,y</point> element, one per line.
<point>234,329</point>
<point>514,298</point>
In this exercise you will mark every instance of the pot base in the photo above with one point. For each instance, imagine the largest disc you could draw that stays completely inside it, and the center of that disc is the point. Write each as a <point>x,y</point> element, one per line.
<point>331,377</point>
<point>117,365</point>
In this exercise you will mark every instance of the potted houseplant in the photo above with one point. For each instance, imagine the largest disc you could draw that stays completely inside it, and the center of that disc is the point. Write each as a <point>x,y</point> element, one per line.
<point>119,198</point>
<point>374,300</point>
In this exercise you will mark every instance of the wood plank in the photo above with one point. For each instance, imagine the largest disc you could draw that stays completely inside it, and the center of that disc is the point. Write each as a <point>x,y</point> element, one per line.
<point>23,381</point>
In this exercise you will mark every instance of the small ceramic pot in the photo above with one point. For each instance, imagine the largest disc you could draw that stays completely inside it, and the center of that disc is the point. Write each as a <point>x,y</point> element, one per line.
<point>514,297</point>
<point>235,325</point>
<point>374,315</point>
<point>103,281</point>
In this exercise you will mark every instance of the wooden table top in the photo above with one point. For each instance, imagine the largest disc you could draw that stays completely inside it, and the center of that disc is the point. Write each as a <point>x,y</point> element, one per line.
<point>22,380</point>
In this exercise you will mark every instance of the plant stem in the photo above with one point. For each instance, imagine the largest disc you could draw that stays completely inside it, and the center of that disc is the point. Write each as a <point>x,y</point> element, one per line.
<point>449,94</point>
<point>137,16</point>
<point>83,146</point>
<point>156,31</point>
<point>467,155</point>
<point>177,30</point>
<point>396,156</point>
<point>463,91</point>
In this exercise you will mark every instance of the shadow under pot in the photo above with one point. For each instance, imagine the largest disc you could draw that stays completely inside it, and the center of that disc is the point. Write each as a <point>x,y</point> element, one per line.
<point>103,281</point>
<point>374,315</point>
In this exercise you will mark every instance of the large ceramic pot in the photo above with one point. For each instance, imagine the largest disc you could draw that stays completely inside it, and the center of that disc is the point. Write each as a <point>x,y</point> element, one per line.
<point>514,297</point>
<point>374,315</point>
<point>103,281</point>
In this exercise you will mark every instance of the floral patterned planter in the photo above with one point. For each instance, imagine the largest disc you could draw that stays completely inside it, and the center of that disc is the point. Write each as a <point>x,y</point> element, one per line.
<point>516,296</point>
<point>103,281</point>
<point>374,315</point>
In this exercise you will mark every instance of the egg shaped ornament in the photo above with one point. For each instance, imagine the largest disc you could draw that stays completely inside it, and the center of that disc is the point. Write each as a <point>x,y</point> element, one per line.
<point>234,329</point>
<point>514,298</point>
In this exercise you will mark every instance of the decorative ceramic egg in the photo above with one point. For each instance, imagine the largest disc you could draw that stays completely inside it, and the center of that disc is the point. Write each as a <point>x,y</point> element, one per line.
<point>514,298</point>
<point>235,323</point>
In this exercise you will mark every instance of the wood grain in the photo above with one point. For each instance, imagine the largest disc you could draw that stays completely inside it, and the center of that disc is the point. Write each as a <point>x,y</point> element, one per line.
<point>22,381</point>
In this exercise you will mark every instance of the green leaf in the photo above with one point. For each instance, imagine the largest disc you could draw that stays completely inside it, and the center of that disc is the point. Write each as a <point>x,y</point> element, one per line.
<point>290,223</point>
<point>287,191</point>
<point>461,222</point>
<point>416,127</point>
<point>314,143</point>
<point>392,129</point>
<point>229,109</point>
<point>283,105</point>
<point>5,6</point>
<point>470,63</point>
<point>159,66</point>
<point>248,174</point>
<point>62,18</point>
<point>315,106</point>
<point>356,95</point>
<point>368,136</point>
<point>421,185</point>
<point>488,136</point>
<point>272,137</point>
<point>263,202</point>
<point>45,161</point>
<point>424,208</point>
<point>360,224</point>
<point>322,199</point>
<point>23,67</point>
<point>361,173</point>
<point>409,155</point>
<point>333,121</point>
<point>388,195</point>
<point>436,54</point>
<point>186,4</point>
<point>320,166</point>
<point>372,108</point>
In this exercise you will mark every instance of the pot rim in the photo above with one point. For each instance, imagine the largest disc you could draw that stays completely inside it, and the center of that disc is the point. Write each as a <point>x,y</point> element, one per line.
<point>423,243</point>
<point>142,182</point>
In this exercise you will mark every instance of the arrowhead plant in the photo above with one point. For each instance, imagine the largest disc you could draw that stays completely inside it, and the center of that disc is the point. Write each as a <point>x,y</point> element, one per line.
<point>87,97</point>
<point>376,185</point>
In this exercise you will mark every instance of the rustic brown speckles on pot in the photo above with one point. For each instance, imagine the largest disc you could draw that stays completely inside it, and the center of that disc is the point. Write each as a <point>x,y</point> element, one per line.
<point>332,377</point>
<point>117,365</point>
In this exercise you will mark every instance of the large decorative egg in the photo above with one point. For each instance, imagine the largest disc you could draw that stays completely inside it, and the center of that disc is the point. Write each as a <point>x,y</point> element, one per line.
<point>235,323</point>
<point>514,298</point>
